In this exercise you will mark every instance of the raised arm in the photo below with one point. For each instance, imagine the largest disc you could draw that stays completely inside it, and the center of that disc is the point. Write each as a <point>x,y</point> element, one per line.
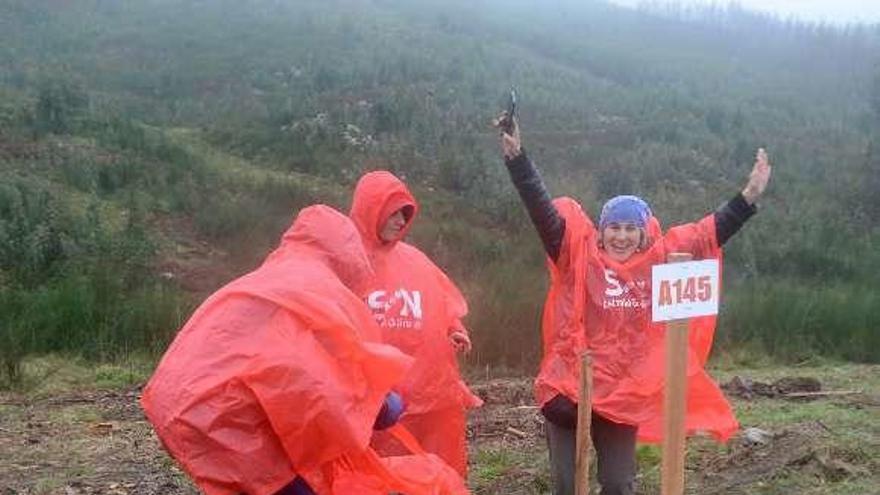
<point>527,180</point>
<point>727,220</point>
<point>731,216</point>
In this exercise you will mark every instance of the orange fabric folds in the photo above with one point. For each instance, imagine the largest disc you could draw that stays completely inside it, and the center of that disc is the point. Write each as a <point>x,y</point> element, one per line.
<point>280,372</point>
<point>598,305</point>
<point>417,307</point>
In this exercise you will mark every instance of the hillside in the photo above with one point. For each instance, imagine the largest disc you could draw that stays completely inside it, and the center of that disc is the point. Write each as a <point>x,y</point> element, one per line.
<point>152,150</point>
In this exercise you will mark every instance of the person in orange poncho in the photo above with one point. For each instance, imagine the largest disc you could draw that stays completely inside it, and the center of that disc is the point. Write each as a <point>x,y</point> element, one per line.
<point>600,301</point>
<point>276,382</point>
<point>419,310</point>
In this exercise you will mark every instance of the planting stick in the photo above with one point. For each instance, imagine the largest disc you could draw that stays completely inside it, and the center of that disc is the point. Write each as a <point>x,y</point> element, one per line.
<point>675,400</point>
<point>582,458</point>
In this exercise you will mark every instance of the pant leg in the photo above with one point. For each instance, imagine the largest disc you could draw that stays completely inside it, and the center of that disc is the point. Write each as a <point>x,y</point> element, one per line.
<point>615,445</point>
<point>561,444</point>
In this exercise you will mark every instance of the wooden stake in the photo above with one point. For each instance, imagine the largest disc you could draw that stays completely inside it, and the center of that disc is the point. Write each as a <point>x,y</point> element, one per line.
<point>675,400</point>
<point>582,458</point>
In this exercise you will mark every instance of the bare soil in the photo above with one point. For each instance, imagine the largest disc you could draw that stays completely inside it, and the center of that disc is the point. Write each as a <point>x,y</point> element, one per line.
<point>89,442</point>
<point>83,443</point>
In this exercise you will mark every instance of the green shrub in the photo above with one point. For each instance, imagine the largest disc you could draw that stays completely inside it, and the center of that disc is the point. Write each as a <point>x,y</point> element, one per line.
<point>60,105</point>
<point>796,319</point>
<point>31,230</point>
<point>91,315</point>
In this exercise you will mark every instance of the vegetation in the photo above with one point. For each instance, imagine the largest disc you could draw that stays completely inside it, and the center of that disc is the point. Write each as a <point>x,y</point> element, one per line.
<point>118,116</point>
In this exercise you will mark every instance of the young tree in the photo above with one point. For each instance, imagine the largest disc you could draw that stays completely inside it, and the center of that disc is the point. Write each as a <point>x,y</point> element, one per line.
<point>870,180</point>
<point>875,98</point>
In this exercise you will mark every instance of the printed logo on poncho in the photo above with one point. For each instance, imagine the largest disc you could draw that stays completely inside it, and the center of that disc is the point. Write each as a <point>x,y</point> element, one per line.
<point>401,308</point>
<point>633,294</point>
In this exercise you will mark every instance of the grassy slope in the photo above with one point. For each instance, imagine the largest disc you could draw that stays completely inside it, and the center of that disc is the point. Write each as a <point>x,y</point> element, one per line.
<point>611,100</point>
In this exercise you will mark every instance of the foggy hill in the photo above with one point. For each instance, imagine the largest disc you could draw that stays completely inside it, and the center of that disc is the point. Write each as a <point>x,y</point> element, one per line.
<point>128,129</point>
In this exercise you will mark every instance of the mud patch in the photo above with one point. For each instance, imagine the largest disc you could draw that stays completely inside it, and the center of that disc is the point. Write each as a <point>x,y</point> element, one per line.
<point>193,262</point>
<point>746,388</point>
<point>796,450</point>
<point>508,415</point>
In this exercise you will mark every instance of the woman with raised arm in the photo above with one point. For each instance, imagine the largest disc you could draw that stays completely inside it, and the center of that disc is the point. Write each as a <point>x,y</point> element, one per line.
<point>600,302</point>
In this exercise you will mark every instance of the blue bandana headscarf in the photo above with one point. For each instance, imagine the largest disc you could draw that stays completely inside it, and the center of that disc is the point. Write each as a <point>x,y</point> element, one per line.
<point>625,209</point>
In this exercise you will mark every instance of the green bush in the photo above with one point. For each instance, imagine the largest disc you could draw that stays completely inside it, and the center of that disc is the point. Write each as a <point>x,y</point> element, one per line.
<point>77,283</point>
<point>60,106</point>
<point>795,319</point>
<point>93,315</point>
<point>31,231</point>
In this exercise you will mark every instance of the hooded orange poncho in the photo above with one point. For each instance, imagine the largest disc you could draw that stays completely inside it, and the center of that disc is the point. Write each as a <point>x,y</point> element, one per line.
<point>603,306</point>
<point>280,374</point>
<point>417,307</point>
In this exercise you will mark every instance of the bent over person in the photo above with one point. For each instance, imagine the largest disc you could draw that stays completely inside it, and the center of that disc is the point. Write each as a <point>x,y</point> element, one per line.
<point>419,310</point>
<point>600,302</point>
<point>277,381</point>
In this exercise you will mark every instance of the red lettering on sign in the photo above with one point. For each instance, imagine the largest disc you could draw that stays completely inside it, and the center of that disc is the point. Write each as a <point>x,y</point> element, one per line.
<point>677,284</point>
<point>690,290</point>
<point>665,298</point>
<point>704,292</point>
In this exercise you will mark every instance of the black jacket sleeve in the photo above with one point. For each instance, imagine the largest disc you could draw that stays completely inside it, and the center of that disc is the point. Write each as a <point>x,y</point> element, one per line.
<point>549,224</point>
<point>731,216</point>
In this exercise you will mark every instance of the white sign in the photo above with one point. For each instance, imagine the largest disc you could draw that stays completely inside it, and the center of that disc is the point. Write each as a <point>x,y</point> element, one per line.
<point>684,290</point>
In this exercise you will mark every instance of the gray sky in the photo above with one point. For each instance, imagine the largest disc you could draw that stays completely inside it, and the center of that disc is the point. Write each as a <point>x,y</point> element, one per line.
<point>837,11</point>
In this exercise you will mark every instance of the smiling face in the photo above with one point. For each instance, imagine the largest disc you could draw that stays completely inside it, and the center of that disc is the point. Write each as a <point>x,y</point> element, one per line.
<point>621,240</point>
<point>391,229</point>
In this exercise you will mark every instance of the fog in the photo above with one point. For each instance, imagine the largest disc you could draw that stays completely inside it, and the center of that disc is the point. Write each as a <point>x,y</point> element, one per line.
<point>832,11</point>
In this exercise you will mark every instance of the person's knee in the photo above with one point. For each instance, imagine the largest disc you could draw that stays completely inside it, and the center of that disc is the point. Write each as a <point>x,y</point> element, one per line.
<point>618,480</point>
<point>619,487</point>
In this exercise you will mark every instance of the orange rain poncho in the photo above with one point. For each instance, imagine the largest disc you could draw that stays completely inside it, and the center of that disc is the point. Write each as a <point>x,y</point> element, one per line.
<point>418,307</point>
<point>280,374</point>
<point>603,306</point>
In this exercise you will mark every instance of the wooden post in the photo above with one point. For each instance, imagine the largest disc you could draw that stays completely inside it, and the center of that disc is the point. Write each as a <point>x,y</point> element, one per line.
<point>675,400</point>
<point>582,457</point>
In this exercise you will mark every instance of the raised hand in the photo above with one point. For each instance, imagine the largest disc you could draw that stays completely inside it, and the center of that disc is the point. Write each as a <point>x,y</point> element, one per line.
<point>758,179</point>
<point>511,146</point>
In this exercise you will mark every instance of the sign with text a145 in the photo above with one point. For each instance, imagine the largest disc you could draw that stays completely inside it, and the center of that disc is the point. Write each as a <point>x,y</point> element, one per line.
<point>684,290</point>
